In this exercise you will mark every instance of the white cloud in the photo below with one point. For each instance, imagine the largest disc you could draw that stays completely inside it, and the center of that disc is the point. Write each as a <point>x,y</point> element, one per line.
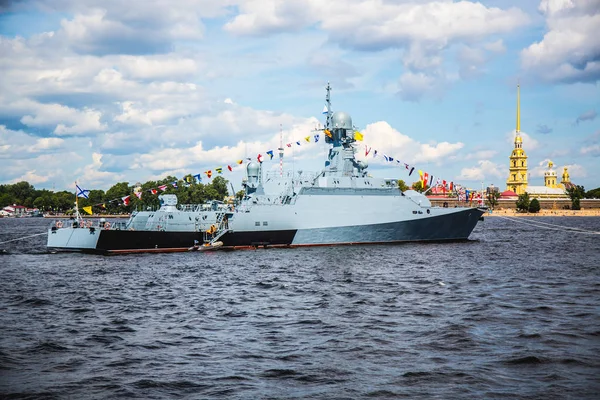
<point>65,120</point>
<point>591,150</point>
<point>570,50</point>
<point>157,67</point>
<point>46,144</point>
<point>413,86</point>
<point>481,155</point>
<point>576,172</point>
<point>496,46</point>
<point>93,174</point>
<point>485,171</point>
<point>380,135</point>
<point>377,23</point>
<point>424,30</point>
<point>31,177</point>
<point>19,144</point>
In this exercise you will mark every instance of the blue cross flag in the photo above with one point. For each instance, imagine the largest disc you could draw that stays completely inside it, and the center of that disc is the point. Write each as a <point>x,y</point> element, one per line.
<point>82,192</point>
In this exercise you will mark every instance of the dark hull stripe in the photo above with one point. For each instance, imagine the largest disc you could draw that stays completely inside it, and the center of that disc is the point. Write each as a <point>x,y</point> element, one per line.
<point>115,242</point>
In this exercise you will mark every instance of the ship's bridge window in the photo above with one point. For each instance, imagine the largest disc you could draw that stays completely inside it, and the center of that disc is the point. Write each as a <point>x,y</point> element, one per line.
<point>265,223</point>
<point>257,223</point>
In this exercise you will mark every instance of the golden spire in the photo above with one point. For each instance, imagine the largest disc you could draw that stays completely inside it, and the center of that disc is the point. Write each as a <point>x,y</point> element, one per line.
<point>518,109</point>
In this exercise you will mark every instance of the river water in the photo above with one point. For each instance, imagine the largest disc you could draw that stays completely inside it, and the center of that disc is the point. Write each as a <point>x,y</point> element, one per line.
<point>512,313</point>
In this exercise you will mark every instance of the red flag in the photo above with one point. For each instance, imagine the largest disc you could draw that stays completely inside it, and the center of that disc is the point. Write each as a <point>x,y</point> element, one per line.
<point>425,179</point>
<point>367,150</point>
<point>208,173</point>
<point>259,158</point>
<point>229,168</point>
<point>444,186</point>
<point>125,200</point>
<point>451,186</point>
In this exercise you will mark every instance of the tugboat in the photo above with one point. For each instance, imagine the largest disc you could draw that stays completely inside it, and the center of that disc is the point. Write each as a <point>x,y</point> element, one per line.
<point>339,205</point>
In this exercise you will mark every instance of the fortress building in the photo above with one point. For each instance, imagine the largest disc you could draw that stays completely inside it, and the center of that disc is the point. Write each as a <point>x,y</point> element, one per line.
<point>517,177</point>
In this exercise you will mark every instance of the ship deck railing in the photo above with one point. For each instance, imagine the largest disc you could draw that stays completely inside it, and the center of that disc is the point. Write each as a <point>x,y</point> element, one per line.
<point>95,223</point>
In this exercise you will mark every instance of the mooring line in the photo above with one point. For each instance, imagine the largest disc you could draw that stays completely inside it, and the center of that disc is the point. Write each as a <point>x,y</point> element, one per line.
<point>24,237</point>
<point>562,226</point>
<point>551,226</point>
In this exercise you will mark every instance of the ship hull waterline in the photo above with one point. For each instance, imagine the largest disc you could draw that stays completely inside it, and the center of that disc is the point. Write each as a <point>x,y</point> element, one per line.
<point>450,227</point>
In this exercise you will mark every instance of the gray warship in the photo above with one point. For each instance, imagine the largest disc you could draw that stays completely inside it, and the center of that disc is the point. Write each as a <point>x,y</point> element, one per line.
<point>340,205</point>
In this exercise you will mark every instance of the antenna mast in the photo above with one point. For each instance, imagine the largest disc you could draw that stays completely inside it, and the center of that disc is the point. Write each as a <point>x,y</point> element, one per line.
<point>280,150</point>
<point>328,103</point>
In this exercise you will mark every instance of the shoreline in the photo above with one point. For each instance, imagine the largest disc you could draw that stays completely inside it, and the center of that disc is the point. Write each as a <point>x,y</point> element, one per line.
<point>546,213</point>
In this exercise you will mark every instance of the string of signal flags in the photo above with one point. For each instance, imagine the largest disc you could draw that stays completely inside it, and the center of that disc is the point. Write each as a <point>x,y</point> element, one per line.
<point>427,180</point>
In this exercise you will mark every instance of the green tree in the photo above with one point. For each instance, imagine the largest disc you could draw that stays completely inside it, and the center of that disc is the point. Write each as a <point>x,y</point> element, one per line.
<point>402,185</point>
<point>593,194</point>
<point>523,202</point>
<point>492,198</point>
<point>240,195</point>
<point>114,195</point>
<point>418,186</point>
<point>534,206</point>
<point>23,193</point>
<point>64,201</point>
<point>7,199</point>
<point>219,184</point>
<point>576,193</point>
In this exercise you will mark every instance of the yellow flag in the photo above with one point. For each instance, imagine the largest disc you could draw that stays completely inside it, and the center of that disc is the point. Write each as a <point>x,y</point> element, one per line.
<point>358,135</point>
<point>307,139</point>
<point>421,175</point>
<point>87,209</point>
<point>327,132</point>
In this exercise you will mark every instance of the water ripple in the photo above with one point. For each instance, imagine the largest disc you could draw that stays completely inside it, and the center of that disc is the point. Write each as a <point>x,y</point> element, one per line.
<point>514,313</point>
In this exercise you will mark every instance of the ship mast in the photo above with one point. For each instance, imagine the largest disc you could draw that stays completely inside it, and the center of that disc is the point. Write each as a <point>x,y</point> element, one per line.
<point>328,104</point>
<point>280,150</point>
<point>78,216</point>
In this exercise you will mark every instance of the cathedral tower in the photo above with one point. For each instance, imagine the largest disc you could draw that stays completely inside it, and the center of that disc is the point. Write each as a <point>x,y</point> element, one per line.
<point>565,177</point>
<point>517,177</point>
<point>550,176</point>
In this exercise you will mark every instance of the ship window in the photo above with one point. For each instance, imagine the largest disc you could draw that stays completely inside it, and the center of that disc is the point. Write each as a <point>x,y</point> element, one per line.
<point>265,223</point>
<point>414,212</point>
<point>257,223</point>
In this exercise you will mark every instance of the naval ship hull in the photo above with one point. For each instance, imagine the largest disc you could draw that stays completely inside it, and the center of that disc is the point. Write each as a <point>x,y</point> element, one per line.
<point>451,226</point>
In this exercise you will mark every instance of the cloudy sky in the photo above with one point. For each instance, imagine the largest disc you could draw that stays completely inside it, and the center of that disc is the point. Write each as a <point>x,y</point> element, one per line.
<point>110,91</point>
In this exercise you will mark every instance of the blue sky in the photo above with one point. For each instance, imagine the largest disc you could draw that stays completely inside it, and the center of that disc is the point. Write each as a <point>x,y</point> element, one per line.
<point>108,91</point>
